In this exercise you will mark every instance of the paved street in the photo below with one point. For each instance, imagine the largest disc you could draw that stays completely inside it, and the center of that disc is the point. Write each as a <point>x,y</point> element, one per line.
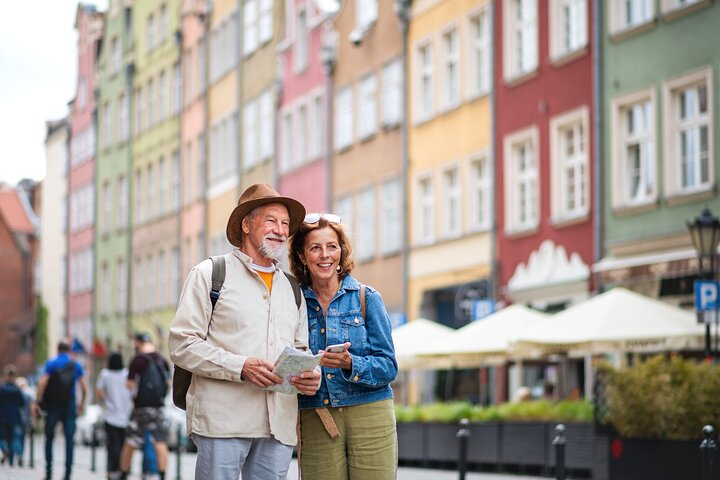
<point>83,461</point>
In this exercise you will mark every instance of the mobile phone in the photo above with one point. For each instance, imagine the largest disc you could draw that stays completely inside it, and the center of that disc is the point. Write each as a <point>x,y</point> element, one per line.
<point>340,347</point>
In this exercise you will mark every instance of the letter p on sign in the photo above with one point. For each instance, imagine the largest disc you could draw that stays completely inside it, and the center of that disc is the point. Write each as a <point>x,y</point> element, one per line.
<point>706,295</point>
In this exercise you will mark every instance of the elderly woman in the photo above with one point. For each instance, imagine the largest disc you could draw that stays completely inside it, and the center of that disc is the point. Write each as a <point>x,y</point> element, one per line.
<point>348,427</point>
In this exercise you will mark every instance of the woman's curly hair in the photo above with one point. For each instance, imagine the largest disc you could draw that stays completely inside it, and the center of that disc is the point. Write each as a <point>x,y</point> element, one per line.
<point>297,245</point>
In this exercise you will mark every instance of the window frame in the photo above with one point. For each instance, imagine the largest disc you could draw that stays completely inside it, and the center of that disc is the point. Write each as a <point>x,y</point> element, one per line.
<point>526,136</point>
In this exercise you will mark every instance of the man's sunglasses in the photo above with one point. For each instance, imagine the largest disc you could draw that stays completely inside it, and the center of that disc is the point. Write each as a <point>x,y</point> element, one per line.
<point>315,217</point>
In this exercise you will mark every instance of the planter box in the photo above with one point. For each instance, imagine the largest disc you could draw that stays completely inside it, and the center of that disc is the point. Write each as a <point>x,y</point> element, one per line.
<point>638,459</point>
<point>524,443</point>
<point>484,443</point>
<point>411,442</point>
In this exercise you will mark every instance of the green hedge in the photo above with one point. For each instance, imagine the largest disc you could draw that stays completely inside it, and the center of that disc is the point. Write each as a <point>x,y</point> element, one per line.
<point>662,398</point>
<point>566,411</point>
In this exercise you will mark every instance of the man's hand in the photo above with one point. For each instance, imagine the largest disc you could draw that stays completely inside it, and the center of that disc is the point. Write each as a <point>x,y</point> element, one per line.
<point>35,410</point>
<point>80,409</point>
<point>259,373</point>
<point>308,382</point>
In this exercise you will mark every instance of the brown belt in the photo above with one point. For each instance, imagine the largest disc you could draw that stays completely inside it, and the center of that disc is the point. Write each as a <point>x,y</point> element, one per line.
<point>328,422</point>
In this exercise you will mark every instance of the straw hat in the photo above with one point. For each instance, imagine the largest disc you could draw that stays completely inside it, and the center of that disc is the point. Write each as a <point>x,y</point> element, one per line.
<point>255,196</point>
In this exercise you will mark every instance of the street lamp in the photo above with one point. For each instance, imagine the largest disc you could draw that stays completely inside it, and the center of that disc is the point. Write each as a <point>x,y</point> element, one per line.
<point>705,235</point>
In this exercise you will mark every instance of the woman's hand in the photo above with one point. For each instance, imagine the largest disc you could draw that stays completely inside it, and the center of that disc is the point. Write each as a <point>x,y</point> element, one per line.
<point>337,360</point>
<point>308,382</point>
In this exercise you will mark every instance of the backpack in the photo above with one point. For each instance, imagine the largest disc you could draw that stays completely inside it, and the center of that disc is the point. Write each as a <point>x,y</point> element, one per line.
<point>59,389</point>
<point>153,384</point>
<point>181,378</point>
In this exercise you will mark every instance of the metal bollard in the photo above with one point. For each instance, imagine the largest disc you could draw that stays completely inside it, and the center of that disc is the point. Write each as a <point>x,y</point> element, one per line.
<point>463,434</point>
<point>31,432</point>
<point>180,444</point>
<point>559,441</point>
<point>93,443</point>
<point>708,451</point>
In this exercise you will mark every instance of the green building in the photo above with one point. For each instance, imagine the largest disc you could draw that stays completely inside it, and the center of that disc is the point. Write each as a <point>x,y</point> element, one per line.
<point>659,98</point>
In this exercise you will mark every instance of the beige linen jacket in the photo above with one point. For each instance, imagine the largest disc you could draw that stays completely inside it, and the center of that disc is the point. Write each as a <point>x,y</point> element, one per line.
<point>247,322</point>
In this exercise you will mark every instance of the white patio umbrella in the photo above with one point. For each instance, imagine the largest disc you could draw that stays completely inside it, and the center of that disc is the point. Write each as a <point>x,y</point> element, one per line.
<point>486,341</point>
<point>413,337</point>
<point>618,320</point>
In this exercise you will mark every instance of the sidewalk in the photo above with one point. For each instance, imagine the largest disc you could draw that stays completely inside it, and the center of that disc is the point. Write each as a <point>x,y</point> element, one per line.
<point>83,461</point>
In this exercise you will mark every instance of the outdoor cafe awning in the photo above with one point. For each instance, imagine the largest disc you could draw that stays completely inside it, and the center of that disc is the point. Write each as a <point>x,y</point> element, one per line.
<point>413,337</point>
<point>618,320</point>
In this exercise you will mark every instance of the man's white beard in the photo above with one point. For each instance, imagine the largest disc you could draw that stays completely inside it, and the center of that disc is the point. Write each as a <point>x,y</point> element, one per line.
<point>270,250</point>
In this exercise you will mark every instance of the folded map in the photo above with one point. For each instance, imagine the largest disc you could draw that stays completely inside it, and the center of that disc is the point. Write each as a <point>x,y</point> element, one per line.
<point>291,363</point>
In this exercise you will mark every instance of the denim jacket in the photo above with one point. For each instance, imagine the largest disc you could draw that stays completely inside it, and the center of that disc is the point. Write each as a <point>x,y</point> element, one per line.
<point>373,354</point>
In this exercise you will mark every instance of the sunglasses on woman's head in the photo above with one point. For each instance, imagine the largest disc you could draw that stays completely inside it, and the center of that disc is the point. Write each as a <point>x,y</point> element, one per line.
<point>315,217</point>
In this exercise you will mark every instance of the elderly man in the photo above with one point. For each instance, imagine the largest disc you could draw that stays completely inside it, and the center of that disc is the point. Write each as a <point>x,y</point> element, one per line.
<point>238,425</point>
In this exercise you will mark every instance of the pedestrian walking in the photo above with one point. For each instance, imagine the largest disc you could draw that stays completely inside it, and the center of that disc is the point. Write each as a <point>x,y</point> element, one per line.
<point>112,392</point>
<point>12,403</point>
<point>56,398</point>
<point>347,429</point>
<point>147,378</point>
<point>26,415</point>
<point>238,425</point>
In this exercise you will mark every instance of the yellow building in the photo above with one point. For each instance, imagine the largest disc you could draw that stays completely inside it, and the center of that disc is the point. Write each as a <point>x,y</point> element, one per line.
<point>450,161</point>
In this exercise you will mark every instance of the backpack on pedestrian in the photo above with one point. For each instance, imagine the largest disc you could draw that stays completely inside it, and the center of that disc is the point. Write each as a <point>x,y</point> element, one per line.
<point>59,389</point>
<point>153,387</point>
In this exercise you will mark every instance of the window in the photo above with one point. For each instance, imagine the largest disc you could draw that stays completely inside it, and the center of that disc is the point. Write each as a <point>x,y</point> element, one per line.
<point>451,69</point>
<point>520,55</point>
<point>425,99</point>
<point>139,111</point>
<point>267,126</point>
<point>163,96</point>
<point>162,293</point>
<point>82,96</point>
<point>688,139</point>
<point>150,276</point>
<point>202,165</point>
<point>365,244</point>
<point>392,93</point>
<point>108,124</point>
<point>266,21</point>
<point>151,105</point>
<point>672,6</point>
<point>151,33</point>
<point>344,118</point>
<point>367,118</point>
<point>344,208</point>
<point>162,187</point>
<point>568,27</point>
<point>139,296</point>
<point>164,23</point>
<point>451,203</point>
<point>223,154</point>
<point>122,212</point>
<point>250,134</point>
<point>480,189</point>
<point>107,208</point>
<point>150,186</point>
<point>121,298</point>
<point>391,217</point>
<point>301,145</point>
<point>288,153</point>
<point>317,134</point>
<point>124,131</point>
<point>425,205</point>
<point>177,88</point>
<point>480,54</point>
<point>175,276</point>
<point>629,14</point>
<point>251,27</point>
<point>175,205</point>
<point>366,13</point>
<point>522,200</point>
<point>106,289</point>
<point>300,50</point>
<point>115,55</point>
<point>138,193</point>
<point>570,163</point>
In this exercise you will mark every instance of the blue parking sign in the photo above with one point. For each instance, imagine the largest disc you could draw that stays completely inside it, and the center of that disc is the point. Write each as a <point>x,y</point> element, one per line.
<point>706,295</point>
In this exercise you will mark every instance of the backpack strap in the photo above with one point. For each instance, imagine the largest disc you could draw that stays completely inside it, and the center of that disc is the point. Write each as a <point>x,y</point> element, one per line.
<point>296,288</point>
<point>218,278</point>
<point>362,300</point>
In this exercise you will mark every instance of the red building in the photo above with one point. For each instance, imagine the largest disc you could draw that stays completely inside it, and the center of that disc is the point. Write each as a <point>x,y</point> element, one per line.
<point>545,151</point>
<point>545,193</point>
<point>17,256</point>
<point>302,169</point>
<point>81,179</point>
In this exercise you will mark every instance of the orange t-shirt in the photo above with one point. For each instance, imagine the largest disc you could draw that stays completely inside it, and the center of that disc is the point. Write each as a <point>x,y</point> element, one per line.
<point>267,278</point>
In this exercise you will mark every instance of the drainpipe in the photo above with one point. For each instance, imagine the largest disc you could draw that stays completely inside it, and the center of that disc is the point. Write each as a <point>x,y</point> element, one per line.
<point>598,224</point>
<point>402,9</point>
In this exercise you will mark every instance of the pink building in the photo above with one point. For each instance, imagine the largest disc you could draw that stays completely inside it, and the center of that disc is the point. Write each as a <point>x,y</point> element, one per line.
<point>302,170</point>
<point>194,17</point>
<point>81,178</point>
